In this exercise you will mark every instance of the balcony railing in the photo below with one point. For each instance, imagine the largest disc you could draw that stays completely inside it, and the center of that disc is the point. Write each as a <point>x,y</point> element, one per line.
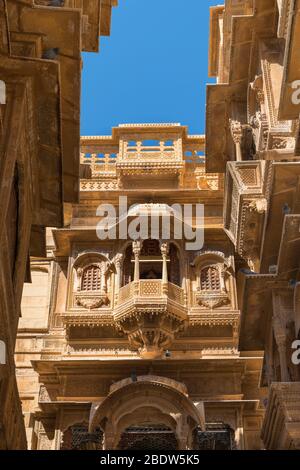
<point>149,152</point>
<point>151,289</point>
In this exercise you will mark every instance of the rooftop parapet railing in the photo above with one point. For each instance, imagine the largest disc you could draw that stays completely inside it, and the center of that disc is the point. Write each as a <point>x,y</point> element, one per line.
<point>100,163</point>
<point>105,161</point>
<point>149,150</point>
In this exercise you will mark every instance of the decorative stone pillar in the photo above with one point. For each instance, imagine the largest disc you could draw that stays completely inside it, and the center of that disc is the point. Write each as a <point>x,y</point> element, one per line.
<point>185,289</point>
<point>164,248</point>
<point>110,437</point>
<point>102,267</point>
<point>118,263</point>
<point>183,433</point>
<point>109,441</point>
<point>94,162</point>
<point>136,248</point>
<point>222,276</point>
<point>237,135</point>
<point>79,274</point>
<point>183,443</point>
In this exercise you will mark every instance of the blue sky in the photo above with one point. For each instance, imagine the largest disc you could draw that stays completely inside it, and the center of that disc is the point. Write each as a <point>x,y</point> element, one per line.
<point>153,67</point>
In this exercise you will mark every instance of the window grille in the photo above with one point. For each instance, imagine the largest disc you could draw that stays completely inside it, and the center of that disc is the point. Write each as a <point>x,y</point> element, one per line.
<point>91,279</point>
<point>210,279</point>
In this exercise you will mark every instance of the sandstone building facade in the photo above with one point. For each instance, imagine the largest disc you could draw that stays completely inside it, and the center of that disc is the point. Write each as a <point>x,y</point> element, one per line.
<point>136,345</point>
<point>144,344</point>
<point>40,73</point>
<point>254,54</point>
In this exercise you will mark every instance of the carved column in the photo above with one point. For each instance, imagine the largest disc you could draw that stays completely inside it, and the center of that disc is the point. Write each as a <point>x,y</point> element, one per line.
<point>237,135</point>
<point>118,263</point>
<point>222,276</point>
<point>109,441</point>
<point>79,273</point>
<point>111,437</point>
<point>183,433</point>
<point>136,248</point>
<point>93,162</point>
<point>164,248</point>
<point>103,272</point>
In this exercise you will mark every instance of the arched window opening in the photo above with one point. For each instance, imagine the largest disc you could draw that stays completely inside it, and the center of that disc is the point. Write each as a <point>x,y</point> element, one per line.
<point>91,279</point>
<point>150,260</point>
<point>151,248</point>
<point>151,263</point>
<point>210,279</point>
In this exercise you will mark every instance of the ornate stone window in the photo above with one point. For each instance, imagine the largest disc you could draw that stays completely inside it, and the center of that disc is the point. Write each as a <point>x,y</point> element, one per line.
<point>211,291</point>
<point>91,278</point>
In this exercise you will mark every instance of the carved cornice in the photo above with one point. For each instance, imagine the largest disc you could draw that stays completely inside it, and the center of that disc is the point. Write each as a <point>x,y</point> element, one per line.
<point>103,318</point>
<point>214,318</point>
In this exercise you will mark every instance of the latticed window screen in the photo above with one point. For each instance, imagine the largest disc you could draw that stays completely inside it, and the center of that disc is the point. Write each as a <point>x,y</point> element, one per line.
<point>151,438</point>
<point>77,437</point>
<point>210,279</point>
<point>91,279</point>
<point>217,436</point>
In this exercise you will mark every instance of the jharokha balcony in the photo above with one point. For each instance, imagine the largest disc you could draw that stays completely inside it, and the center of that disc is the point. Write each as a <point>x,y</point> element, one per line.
<point>151,311</point>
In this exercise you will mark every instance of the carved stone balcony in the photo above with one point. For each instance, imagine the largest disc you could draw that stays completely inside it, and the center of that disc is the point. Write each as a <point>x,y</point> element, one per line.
<point>138,159</point>
<point>151,313</point>
<point>245,206</point>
